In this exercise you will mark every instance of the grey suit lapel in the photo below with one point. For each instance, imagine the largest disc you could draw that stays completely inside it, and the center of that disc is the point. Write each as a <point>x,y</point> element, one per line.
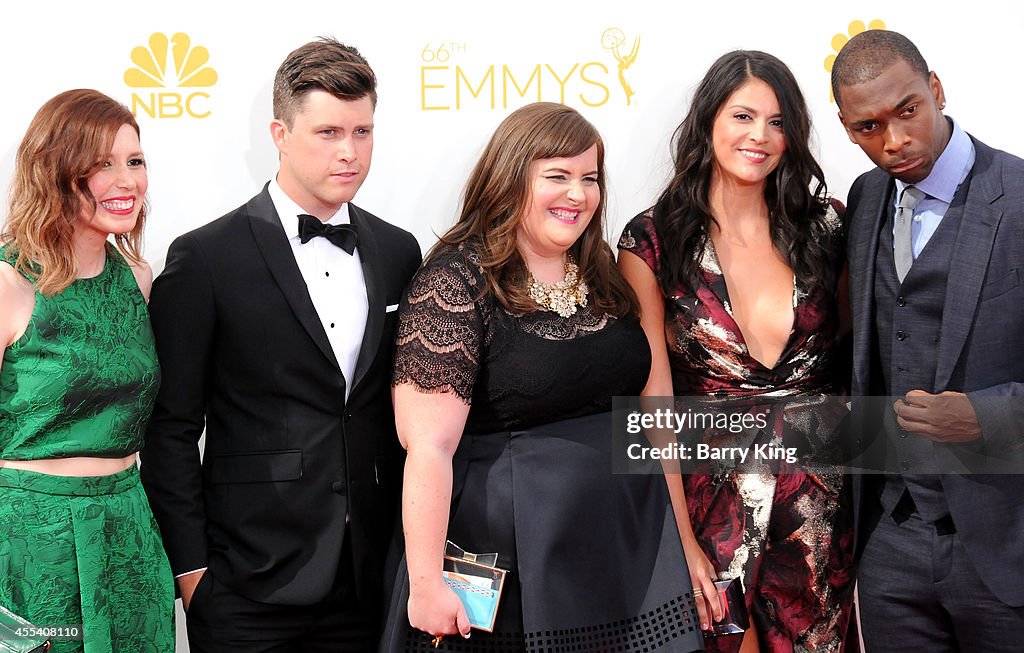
<point>971,254</point>
<point>370,257</point>
<point>873,211</point>
<point>273,245</point>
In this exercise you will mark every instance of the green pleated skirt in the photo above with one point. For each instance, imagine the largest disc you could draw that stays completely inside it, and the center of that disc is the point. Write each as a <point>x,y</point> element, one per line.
<point>85,551</point>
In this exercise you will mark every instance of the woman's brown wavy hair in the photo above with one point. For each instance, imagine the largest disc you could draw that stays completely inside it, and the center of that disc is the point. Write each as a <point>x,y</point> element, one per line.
<point>497,197</point>
<point>68,140</point>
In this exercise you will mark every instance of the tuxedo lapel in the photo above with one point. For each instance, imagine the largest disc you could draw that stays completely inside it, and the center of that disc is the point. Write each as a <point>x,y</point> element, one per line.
<point>277,253</point>
<point>970,261</point>
<point>370,257</point>
<point>872,213</point>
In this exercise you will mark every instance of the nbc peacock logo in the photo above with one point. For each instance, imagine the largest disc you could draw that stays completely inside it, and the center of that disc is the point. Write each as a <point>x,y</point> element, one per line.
<point>170,63</point>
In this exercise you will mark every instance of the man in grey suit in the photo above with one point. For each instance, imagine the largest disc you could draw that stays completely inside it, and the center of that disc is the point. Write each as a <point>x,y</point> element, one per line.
<point>936,250</point>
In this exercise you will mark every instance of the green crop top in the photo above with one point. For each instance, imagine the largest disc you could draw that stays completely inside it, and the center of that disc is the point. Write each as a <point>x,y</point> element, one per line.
<point>82,379</point>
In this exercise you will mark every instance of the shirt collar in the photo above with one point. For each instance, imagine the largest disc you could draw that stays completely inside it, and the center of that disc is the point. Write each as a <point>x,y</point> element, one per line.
<point>949,170</point>
<point>288,211</point>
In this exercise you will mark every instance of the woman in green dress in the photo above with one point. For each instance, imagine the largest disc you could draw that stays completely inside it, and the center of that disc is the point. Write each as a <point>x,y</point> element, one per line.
<point>79,550</point>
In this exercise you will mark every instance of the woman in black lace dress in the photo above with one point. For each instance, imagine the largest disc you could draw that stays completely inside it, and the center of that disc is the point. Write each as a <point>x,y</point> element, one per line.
<point>513,338</point>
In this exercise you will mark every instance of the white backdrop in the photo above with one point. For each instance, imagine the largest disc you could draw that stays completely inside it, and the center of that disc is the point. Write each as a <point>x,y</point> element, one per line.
<point>437,54</point>
<point>436,110</point>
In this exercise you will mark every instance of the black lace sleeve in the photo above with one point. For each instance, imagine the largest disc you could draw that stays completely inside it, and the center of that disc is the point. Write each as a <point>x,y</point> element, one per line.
<point>441,329</point>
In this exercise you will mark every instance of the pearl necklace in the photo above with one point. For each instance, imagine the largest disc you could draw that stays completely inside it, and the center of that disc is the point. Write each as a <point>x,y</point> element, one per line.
<point>564,296</point>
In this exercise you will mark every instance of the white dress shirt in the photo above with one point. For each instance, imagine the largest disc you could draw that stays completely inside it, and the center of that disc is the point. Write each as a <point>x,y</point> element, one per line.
<point>947,174</point>
<point>334,280</point>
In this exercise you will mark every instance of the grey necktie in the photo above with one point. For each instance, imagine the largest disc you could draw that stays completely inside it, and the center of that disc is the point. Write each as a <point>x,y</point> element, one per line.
<point>903,248</point>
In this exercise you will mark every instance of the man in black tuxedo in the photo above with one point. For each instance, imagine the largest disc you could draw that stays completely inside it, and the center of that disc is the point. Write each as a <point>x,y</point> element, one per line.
<point>274,327</point>
<point>936,256</point>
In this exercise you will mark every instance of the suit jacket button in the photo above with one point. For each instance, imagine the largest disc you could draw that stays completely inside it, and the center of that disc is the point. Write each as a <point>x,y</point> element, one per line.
<point>338,487</point>
<point>904,465</point>
<point>901,336</point>
<point>901,301</point>
<point>348,415</point>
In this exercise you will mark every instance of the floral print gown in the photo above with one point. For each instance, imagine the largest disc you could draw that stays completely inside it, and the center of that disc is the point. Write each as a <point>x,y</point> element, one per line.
<point>786,531</point>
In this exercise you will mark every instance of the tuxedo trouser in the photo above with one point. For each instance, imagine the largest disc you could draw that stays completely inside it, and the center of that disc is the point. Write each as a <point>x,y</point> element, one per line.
<point>222,621</point>
<point>919,591</point>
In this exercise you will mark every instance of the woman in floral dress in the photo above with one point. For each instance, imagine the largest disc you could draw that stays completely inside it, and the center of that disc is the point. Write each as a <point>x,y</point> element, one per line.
<point>738,268</point>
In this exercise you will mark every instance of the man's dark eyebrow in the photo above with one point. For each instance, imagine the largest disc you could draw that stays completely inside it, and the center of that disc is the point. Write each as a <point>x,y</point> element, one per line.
<point>899,107</point>
<point>862,123</point>
<point>905,101</point>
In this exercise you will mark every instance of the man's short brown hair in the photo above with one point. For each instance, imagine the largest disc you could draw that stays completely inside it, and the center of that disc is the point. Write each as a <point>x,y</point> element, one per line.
<point>325,65</point>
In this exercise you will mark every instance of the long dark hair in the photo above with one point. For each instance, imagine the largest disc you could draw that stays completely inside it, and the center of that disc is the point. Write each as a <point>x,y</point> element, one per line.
<point>682,214</point>
<point>498,193</point>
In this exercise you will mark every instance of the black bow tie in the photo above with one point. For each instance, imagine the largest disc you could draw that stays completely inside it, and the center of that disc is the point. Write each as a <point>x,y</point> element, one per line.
<point>344,236</point>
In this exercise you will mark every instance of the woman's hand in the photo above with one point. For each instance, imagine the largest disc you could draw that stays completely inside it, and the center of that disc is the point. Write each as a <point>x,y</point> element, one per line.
<point>430,427</point>
<point>702,575</point>
<point>436,610</point>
